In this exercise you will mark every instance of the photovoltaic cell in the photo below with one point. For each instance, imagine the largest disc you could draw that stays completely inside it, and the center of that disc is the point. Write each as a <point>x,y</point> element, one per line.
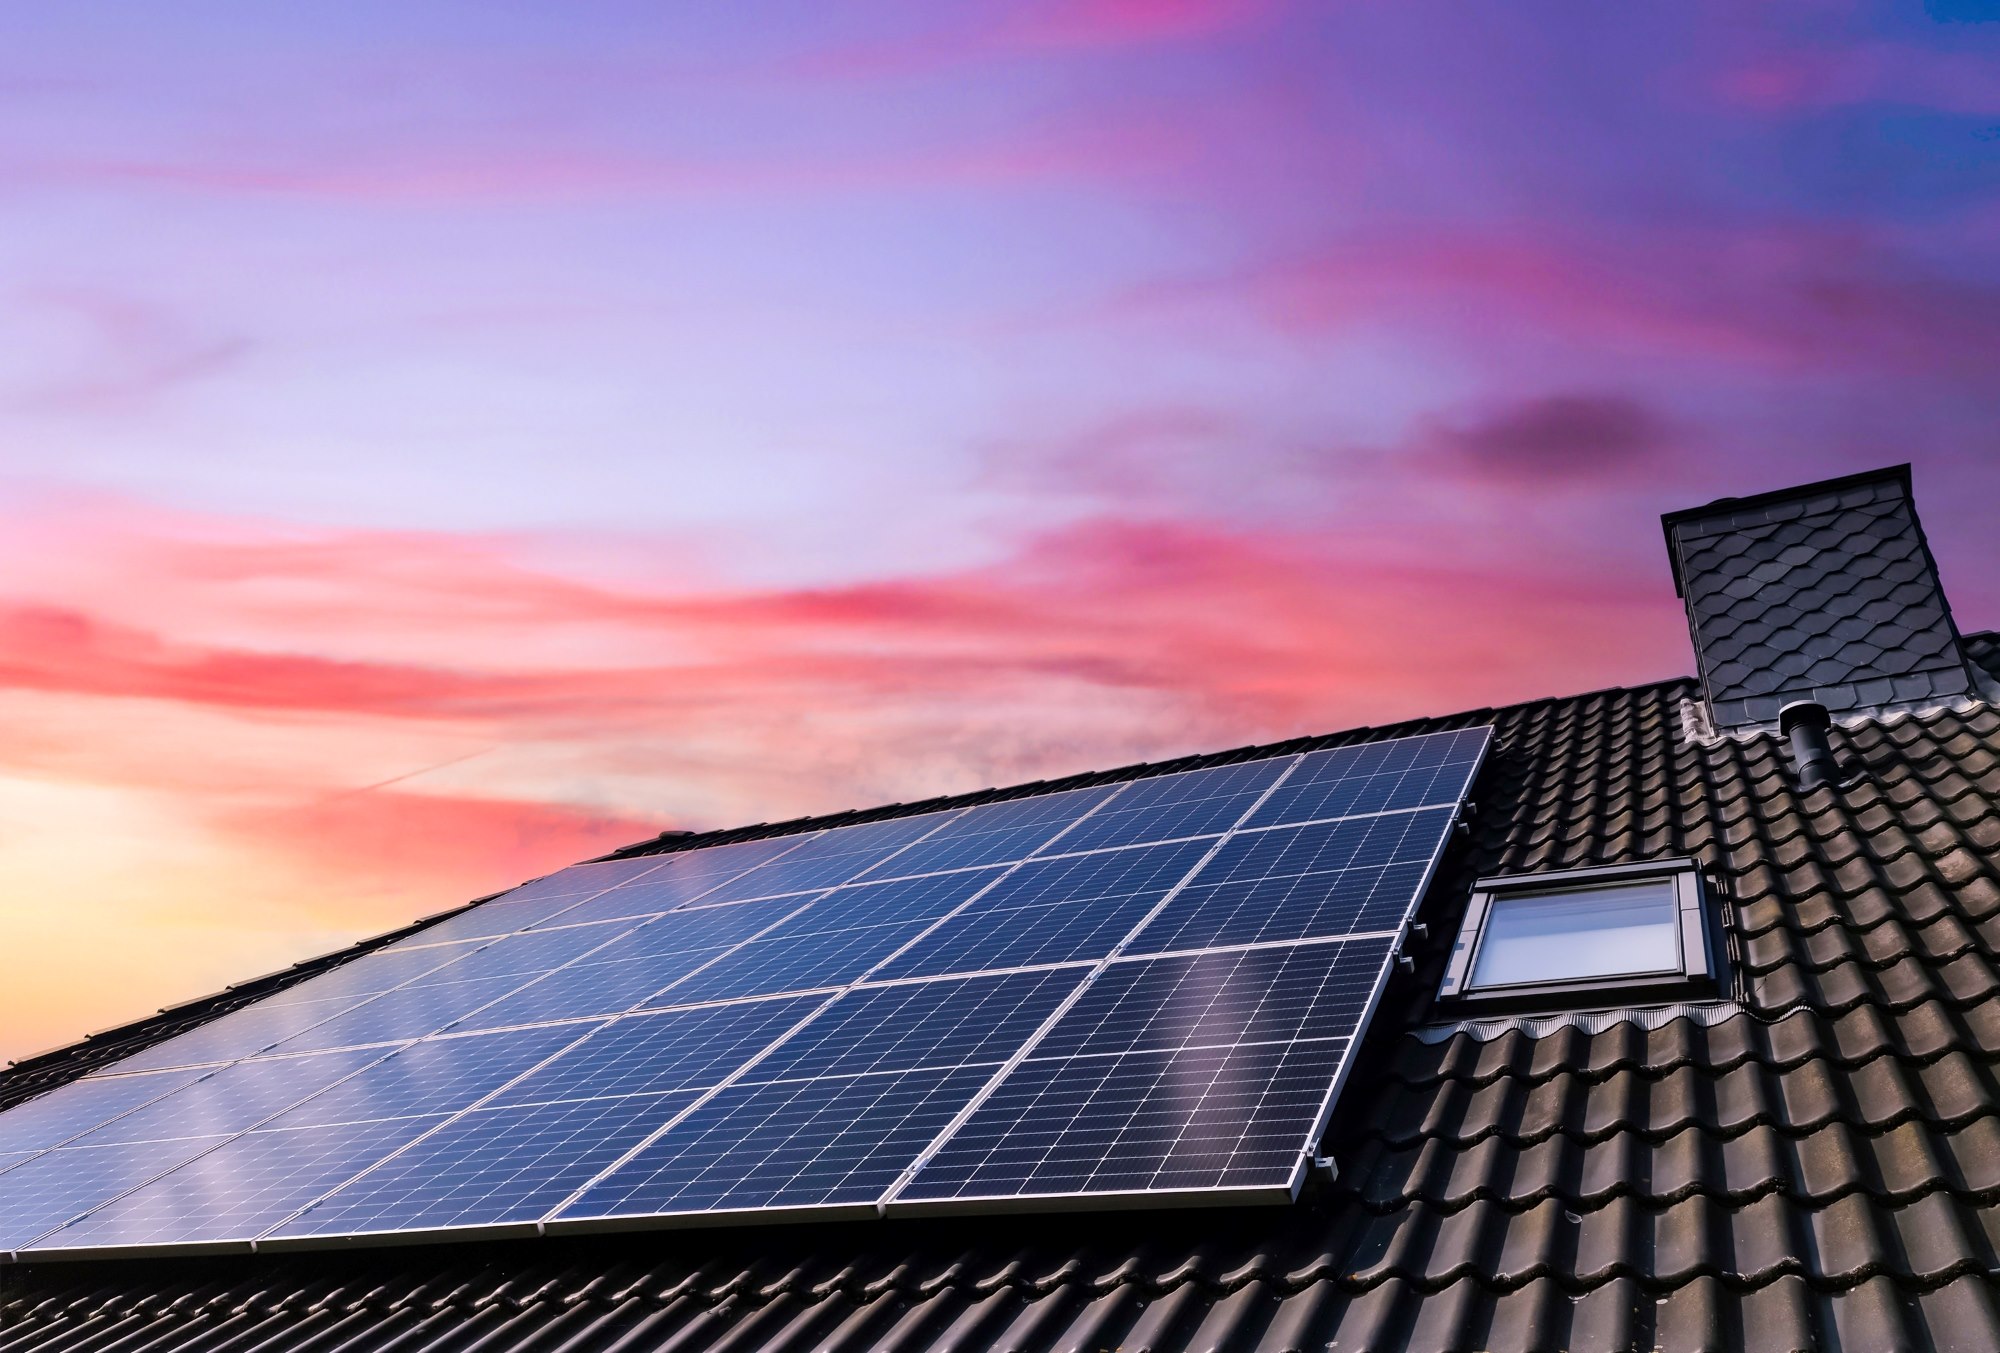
<point>579,879</point>
<point>74,1109</point>
<point>526,955</point>
<point>1121,989</point>
<point>678,880</point>
<point>533,902</point>
<point>967,850</point>
<point>373,973</point>
<point>921,1024</point>
<point>829,858</point>
<point>1054,810</point>
<point>44,1191</point>
<point>240,1033</point>
<point>1377,777</point>
<point>888,834</point>
<point>241,1188</point>
<point>799,963</point>
<point>1194,803</point>
<point>488,919</point>
<point>786,1144</point>
<point>407,1012</point>
<point>692,1049</point>
<point>786,876</point>
<point>1211,1118</point>
<point>1234,996</point>
<point>442,1075</point>
<point>873,904</point>
<point>232,1099</point>
<point>585,989</point>
<point>1291,883</point>
<point>715,927</point>
<point>1058,910</point>
<point>491,1167</point>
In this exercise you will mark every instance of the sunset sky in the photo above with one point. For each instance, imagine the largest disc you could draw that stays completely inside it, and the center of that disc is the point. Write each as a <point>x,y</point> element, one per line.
<point>441,441</point>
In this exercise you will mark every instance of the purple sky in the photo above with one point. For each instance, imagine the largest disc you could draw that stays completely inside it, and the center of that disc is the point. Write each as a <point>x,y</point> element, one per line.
<point>440,441</point>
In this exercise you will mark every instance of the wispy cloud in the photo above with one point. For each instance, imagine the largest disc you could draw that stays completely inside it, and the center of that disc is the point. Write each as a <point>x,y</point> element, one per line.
<point>1789,298</point>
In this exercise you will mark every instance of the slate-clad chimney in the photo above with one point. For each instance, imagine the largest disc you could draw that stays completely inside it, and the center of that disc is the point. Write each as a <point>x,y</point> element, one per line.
<point>1825,592</point>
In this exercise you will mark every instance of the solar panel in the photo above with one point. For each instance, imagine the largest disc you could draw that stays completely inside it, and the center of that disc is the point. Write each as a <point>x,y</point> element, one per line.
<point>1130,990</point>
<point>490,1168</point>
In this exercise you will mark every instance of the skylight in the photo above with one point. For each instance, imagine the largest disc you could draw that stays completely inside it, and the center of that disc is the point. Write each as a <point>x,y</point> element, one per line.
<point>1594,933</point>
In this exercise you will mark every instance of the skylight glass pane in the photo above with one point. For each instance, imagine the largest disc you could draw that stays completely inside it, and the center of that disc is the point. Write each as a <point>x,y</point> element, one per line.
<point>1621,930</point>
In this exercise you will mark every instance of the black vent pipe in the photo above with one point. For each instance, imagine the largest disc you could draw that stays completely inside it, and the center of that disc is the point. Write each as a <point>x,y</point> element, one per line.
<point>1806,723</point>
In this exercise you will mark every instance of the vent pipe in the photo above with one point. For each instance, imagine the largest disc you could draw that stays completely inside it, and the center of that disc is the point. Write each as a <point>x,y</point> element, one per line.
<point>1806,723</point>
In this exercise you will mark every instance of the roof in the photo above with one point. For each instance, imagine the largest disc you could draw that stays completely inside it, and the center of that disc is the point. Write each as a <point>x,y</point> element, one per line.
<point>1817,1166</point>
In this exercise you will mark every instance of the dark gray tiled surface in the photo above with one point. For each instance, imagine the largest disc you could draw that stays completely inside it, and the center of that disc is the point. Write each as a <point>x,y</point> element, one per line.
<point>1829,595</point>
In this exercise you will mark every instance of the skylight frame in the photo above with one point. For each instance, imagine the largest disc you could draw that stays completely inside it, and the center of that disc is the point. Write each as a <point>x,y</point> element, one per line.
<point>1698,971</point>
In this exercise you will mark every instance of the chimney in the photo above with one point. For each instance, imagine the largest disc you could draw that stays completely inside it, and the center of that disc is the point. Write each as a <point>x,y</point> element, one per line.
<point>1825,593</point>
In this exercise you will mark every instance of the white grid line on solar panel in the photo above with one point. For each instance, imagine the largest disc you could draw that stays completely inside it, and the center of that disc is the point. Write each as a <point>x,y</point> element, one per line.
<point>1332,1083</point>
<point>650,1052</point>
<point>274,1119</point>
<point>367,974</point>
<point>1000,833</point>
<point>527,1055</point>
<point>484,1101</point>
<point>1000,927</point>
<point>1388,782</point>
<point>69,1111</point>
<point>837,856</point>
<point>490,1166</point>
<point>1234,996</point>
<point>1056,1015</point>
<point>711,1094</point>
<point>1248,998</point>
<point>1185,804</point>
<point>954,1022</point>
<point>537,899</point>
<point>168,1153</point>
<point>1460,747</point>
<point>241,1033</point>
<point>834,1141</point>
<point>676,882</point>
<point>434,1005</point>
<point>788,959</point>
<point>650,970</point>
<point>1295,882</point>
<point>978,894</point>
<point>239,1189</point>
<point>41,1193</point>
<point>512,916</point>
<point>1143,1122</point>
<point>268,1024</point>
<point>437,1075</point>
<point>702,1099</point>
<point>234,1098</point>
<point>953,834</point>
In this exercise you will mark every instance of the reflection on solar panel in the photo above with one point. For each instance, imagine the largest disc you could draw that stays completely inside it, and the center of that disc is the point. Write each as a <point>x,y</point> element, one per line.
<point>1131,989</point>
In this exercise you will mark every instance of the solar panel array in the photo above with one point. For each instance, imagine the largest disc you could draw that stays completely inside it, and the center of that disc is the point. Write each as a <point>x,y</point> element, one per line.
<point>1130,989</point>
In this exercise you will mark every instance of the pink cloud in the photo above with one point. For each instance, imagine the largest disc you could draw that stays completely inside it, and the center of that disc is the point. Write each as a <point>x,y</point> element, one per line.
<point>137,352</point>
<point>1798,299</point>
<point>1962,82</point>
<point>169,677</point>
<point>1050,27</point>
<point>1084,152</point>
